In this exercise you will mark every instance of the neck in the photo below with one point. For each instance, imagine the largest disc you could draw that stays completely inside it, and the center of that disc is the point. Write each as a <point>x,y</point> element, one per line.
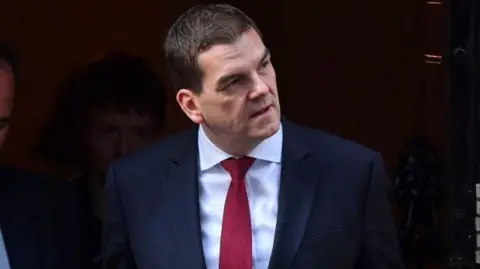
<point>234,146</point>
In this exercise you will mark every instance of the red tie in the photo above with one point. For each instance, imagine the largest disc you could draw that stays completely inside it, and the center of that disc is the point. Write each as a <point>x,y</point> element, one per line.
<point>236,239</point>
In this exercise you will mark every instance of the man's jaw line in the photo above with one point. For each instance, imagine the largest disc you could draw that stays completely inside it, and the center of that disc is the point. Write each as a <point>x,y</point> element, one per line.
<point>227,144</point>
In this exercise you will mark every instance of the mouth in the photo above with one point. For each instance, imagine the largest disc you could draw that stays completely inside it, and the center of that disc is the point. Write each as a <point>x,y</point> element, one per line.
<point>261,112</point>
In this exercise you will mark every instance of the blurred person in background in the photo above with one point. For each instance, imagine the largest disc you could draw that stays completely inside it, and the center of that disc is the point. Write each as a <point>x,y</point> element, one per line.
<point>107,109</point>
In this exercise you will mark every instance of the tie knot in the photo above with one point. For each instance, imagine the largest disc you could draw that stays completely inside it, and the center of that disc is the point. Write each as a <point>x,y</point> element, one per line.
<point>237,167</point>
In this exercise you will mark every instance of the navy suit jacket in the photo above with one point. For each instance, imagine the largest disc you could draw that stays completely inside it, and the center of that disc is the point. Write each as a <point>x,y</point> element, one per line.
<point>34,220</point>
<point>333,207</point>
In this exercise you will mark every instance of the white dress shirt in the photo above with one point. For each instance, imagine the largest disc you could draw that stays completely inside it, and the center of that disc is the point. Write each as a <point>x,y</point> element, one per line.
<point>262,185</point>
<point>4,264</point>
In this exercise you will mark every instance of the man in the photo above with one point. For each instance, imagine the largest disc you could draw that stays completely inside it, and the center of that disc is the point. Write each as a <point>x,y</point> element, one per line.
<point>31,235</point>
<point>245,189</point>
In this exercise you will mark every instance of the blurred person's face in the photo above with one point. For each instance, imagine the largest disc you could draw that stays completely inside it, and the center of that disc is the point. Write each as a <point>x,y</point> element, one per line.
<point>113,134</point>
<point>6,99</point>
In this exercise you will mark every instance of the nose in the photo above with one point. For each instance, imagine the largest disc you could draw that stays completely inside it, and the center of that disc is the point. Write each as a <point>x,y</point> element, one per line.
<point>260,88</point>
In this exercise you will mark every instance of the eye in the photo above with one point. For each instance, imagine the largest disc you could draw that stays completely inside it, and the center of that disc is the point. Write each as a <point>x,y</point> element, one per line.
<point>265,63</point>
<point>234,81</point>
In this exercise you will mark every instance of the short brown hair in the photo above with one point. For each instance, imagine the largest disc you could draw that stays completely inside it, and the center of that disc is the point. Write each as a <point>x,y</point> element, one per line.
<point>195,31</point>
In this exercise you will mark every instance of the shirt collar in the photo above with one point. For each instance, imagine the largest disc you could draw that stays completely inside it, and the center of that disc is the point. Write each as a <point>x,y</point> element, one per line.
<point>210,155</point>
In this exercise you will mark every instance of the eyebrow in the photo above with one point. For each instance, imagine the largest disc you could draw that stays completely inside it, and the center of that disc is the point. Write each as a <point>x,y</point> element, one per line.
<point>225,79</point>
<point>266,54</point>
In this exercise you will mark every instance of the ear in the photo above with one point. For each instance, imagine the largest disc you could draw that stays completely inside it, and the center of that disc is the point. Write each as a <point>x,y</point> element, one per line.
<point>188,102</point>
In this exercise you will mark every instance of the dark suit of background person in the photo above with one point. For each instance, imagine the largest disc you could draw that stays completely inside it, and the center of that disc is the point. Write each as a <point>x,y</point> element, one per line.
<point>315,200</point>
<point>33,220</point>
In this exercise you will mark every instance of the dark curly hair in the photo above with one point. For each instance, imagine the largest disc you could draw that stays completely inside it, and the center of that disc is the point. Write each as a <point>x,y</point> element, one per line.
<point>118,82</point>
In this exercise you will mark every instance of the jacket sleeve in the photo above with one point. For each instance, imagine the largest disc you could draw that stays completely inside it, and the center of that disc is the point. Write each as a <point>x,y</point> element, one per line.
<point>380,249</point>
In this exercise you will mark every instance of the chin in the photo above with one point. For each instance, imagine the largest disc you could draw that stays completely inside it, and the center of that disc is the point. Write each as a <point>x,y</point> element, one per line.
<point>267,130</point>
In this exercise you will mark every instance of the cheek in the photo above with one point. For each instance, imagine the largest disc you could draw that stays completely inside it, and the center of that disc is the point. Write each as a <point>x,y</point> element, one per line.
<point>227,107</point>
<point>234,111</point>
<point>227,112</point>
<point>272,84</point>
<point>270,79</point>
<point>101,149</point>
<point>272,75</point>
<point>215,109</point>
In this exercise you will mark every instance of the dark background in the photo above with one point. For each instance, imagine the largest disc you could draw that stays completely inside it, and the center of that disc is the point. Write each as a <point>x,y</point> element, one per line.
<point>354,68</point>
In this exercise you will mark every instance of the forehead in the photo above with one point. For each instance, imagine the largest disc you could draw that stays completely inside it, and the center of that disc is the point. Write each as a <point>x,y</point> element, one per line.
<point>246,52</point>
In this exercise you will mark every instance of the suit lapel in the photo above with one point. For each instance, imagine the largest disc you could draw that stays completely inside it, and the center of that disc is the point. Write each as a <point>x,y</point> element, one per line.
<point>297,187</point>
<point>181,187</point>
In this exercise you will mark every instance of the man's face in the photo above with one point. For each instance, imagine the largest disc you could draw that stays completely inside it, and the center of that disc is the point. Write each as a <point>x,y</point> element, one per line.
<point>6,99</point>
<point>112,134</point>
<point>239,97</point>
